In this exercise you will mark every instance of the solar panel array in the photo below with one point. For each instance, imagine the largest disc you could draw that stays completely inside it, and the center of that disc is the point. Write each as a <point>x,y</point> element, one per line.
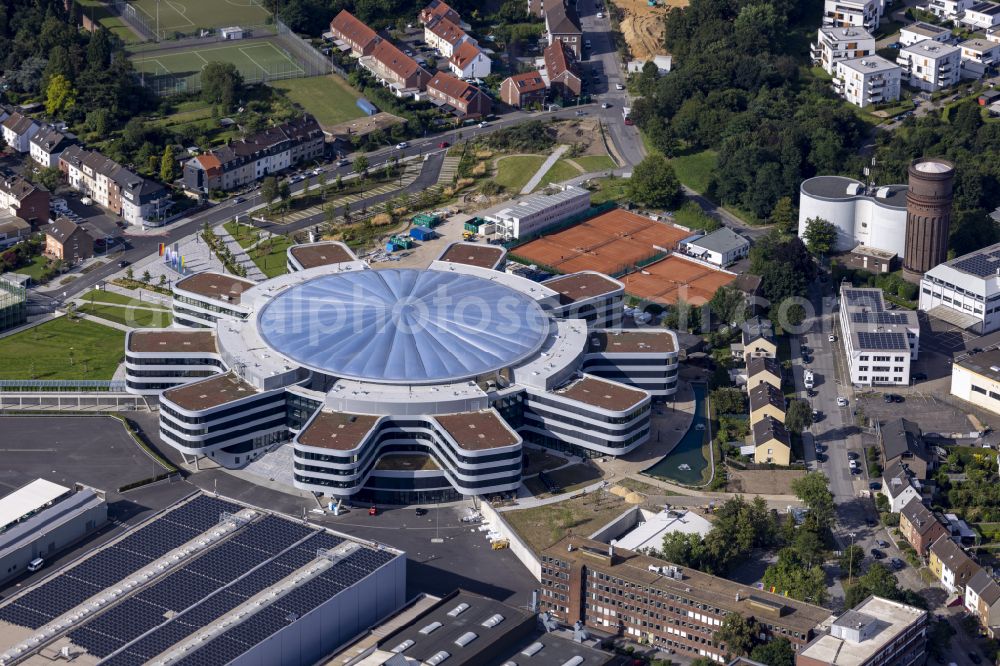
<point>863,298</point>
<point>303,599</point>
<point>62,593</point>
<point>980,264</point>
<point>203,614</point>
<point>887,341</point>
<point>884,318</point>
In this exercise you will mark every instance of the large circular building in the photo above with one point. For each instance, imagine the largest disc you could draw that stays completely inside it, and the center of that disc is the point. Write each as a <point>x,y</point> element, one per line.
<point>401,385</point>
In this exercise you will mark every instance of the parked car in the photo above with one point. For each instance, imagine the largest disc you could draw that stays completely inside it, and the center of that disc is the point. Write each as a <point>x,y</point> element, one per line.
<point>832,338</point>
<point>123,263</point>
<point>852,455</point>
<point>605,105</point>
<point>887,397</point>
<point>842,401</point>
<point>619,86</point>
<point>897,398</point>
<point>484,124</point>
<point>420,511</point>
<point>874,485</point>
<point>877,554</point>
<point>882,543</point>
<point>402,144</point>
<point>600,14</point>
<point>919,376</point>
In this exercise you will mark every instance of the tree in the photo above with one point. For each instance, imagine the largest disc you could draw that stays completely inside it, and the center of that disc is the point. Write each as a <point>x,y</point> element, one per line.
<point>60,97</point>
<point>850,560</point>
<point>783,216</point>
<point>739,634</point>
<point>687,550</point>
<point>168,165</point>
<point>813,489</point>
<point>49,177</point>
<point>361,165</point>
<point>881,582</point>
<point>820,235</point>
<point>146,277</point>
<point>792,576</point>
<point>269,190</point>
<point>654,183</point>
<point>776,652</point>
<point>728,305</point>
<point>129,274</point>
<point>798,417</point>
<point>728,401</point>
<point>221,83</point>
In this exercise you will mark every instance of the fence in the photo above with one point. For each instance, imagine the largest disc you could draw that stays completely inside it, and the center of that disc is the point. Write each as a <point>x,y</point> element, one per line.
<point>62,385</point>
<point>308,56</point>
<point>147,28</point>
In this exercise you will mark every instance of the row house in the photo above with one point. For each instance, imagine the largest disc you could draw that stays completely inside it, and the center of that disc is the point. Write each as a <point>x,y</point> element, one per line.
<point>257,156</point>
<point>137,200</point>
<point>353,33</point>
<point>469,62</point>
<point>18,130</point>
<point>562,25</point>
<point>951,565</point>
<point>982,599</point>
<point>23,199</point>
<point>47,145</point>
<point>444,36</point>
<point>395,70</point>
<point>464,99</point>
<point>562,72</point>
<point>68,241</point>
<point>920,526</point>
<point>437,9</point>
<point>523,90</point>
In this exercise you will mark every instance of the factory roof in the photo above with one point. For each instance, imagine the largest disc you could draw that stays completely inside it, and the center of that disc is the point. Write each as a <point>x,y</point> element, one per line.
<point>985,363</point>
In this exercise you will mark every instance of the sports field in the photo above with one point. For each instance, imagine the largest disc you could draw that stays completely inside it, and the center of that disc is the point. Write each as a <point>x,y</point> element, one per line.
<point>609,243</point>
<point>672,279</point>
<point>190,16</point>
<point>256,60</point>
<point>328,98</point>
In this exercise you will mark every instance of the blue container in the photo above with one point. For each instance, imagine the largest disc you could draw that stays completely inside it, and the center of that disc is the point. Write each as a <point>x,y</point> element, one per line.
<point>366,106</point>
<point>422,234</point>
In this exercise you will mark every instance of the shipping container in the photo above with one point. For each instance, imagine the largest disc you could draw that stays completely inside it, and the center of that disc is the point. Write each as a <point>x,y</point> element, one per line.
<point>366,106</point>
<point>422,234</point>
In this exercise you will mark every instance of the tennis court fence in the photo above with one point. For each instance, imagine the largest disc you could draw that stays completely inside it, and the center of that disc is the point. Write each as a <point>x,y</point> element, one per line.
<point>146,26</point>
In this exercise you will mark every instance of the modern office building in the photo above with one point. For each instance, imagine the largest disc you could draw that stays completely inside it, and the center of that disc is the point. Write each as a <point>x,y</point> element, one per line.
<point>879,344</point>
<point>965,291</point>
<point>538,212</point>
<point>455,365</point>
<point>648,600</point>
<point>867,81</point>
<point>208,581</point>
<point>930,65</point>
<point>13,304</point>
<point>928,215</point>
<point>876,632</point>
<point>835,44</point>
<point>874,217</point>
<point>41,518</point>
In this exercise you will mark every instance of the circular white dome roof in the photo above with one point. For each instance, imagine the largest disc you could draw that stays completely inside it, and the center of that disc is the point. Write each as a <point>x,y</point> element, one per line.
<point>930,166</point>
<point>403,326</point>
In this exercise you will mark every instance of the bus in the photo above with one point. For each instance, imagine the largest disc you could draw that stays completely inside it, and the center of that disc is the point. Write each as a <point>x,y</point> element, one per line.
<point>626,115</point>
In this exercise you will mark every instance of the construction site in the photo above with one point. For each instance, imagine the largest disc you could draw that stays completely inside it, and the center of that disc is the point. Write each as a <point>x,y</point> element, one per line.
<point>641,23</point>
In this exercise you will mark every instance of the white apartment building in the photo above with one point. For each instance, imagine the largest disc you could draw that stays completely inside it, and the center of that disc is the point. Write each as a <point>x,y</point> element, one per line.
<point>17,131</point>
<point>948,9</point>
<point>965,291</point>
<point>930,65</point>
<point>879,344</point>
<point>978,57</point>
<point>836,44</point>
<point>981,16</point>
<point>538,212</point>
<point>867,81</point>
<point>857,13</point>
<point>919,31</point>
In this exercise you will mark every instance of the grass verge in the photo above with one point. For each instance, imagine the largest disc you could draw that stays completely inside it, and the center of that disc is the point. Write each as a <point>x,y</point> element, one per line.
<point>329,98</point>
<point>514,172</point>
<point>592,163</point>
<point>695,169</point>
<point>114,298</point>
<point>63,348</point>
<point>560,171</point>
<point>133,317</point>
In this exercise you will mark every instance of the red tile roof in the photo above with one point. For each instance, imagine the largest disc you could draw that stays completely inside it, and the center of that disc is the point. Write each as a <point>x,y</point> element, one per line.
<point>465,53</point>
<point>447,31</point>
<point>395,60</point>
<point>528,82</point>
<point>453,87</point>
<point>557,60</point>
<point>352,28</point>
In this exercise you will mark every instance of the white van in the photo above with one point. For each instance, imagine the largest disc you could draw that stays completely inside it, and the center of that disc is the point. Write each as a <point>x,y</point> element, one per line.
<point>808,379</point>
<point>36,564</point>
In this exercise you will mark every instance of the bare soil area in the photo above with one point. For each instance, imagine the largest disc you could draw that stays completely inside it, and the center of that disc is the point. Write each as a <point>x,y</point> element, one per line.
<point>642,25</point>
<point>762,481</point>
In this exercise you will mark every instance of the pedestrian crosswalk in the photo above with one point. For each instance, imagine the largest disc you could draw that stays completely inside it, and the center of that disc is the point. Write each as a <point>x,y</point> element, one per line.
<point>449,167</point>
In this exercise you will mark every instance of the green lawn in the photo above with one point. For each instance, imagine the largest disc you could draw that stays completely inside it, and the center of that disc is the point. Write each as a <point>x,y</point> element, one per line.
<point>592,163</point>
<point>100,296</point>
<point>133,317</point>
<point>62,349</point>
<point>691,215</point>
<point>35,268</point>
<point>329,98</point>
<point>271,256</point>
<point>560,171</point>
<point>695,169</point>
<point>514,172</point>
<point>609,189</point>
<point>245,235</point>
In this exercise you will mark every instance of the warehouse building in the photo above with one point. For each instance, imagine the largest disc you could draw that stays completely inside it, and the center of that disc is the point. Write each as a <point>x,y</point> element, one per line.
<point>538,212</point>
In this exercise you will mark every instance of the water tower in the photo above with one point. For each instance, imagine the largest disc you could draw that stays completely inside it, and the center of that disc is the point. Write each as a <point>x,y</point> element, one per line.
<point>928,215</point>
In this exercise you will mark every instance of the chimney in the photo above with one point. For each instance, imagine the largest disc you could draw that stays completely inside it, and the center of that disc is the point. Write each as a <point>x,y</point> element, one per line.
<point>611,549</point>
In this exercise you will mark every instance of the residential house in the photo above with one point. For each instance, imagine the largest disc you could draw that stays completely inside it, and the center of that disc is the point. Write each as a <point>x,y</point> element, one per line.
<point>523,90</point>
<point>395,70</point>
<point>766,401</point>
<point>469,62</point>
<point>979,57</point>
<point>951,565</point>
<point>771,443</point>
<point>47,145</point>
<point>444,36</point>
<point>25,200</point>
<point>857,13</point>
<point>758,338</point>
<point>348,29</point>
<point>867,81</point>
<point>930,65</point>
<point>919,31</point>
<point>981,16</point>
<point>462,98</point>
<point>562,25</point>
<point>899,487</point>
<point>722,247</point>
<point>562,72</point>
<point>13,230</point>
<point>949,9</point>
<point>763,370</point>
<point>902,442</point>
<point>259,155</point>
<point>982,599</point>
<point>18,130</point>
<point>137,200</point>
<point>920,526</point>
<point>68,242</point>
<point>437,9</point>
<point>835,44</point>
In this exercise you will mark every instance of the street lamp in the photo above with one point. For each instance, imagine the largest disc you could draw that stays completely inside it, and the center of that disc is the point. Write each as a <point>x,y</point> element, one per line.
<point>850,559</point>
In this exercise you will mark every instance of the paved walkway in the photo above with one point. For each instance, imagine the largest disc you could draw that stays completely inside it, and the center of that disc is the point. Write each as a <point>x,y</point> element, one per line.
<point>544,169</point>
<point>103,322</point>
<point>240,255</point>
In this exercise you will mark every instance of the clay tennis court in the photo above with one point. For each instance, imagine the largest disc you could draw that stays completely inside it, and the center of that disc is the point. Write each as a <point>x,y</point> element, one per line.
<point>609,243</point>
<point>672,279</point>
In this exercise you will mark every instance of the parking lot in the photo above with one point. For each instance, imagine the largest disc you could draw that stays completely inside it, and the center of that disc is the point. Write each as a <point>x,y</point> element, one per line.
<point>933,415</point>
